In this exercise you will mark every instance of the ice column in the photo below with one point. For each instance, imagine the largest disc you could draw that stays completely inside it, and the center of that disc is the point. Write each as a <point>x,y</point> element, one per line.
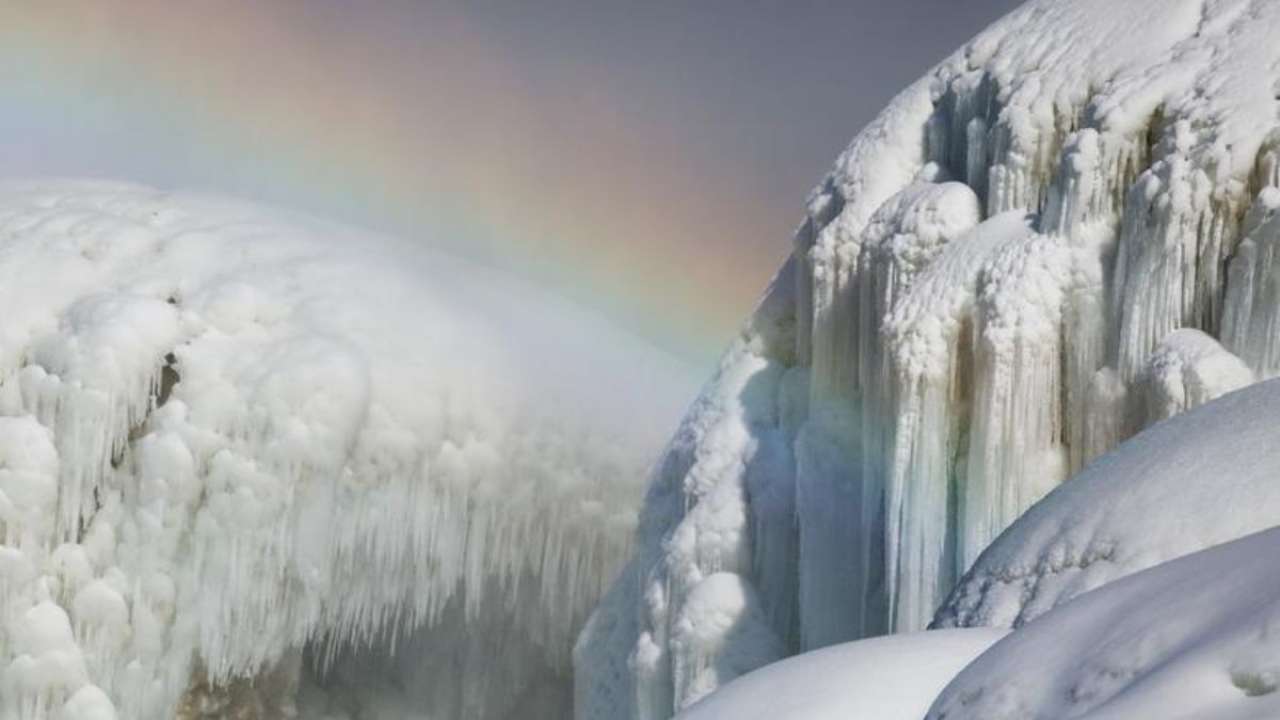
<point>928,336</point>
<point>1016,454</point>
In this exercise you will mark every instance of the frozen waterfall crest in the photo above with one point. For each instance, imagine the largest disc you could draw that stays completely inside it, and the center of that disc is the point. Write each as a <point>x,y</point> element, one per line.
<point>1061,235</point>
<point>237,450</point>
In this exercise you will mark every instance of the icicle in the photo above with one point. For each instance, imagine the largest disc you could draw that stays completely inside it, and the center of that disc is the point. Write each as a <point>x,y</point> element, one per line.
<point>1084,208</point>
<point>1251,322</point>
<point>1026,144</point>
<point>817,255</point>
<point>1178,231</point>
<point>1266,171</point>
<point>1107,418</point>
<point>1015,453</point>
<point>899,241</point>
<point>929,393</point>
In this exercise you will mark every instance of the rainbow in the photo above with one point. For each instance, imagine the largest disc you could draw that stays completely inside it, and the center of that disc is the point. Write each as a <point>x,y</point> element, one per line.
<point>315,113</point>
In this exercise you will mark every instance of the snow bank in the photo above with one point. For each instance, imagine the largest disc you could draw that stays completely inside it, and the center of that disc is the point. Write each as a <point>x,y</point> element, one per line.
<point>1194,637</point>
<point>1062,233</point>
<point>889,678</point>
<point>228,437</point>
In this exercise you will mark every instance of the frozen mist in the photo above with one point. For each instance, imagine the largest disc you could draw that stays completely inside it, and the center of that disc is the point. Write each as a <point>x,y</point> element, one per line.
<point>254,466</point>
<point>1060,235</point>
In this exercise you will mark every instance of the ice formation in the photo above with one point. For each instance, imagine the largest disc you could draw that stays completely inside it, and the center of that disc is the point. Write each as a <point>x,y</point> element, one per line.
<point>1192,638</point>
<point>886,678</point>
<point>234,446</point>
<point>1063,233</point>
<point>1203,478</point>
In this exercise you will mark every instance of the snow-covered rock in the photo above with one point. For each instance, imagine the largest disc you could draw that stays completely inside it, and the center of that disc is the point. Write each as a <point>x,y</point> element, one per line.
<point>1195,637</point>
<point>1062,233</point>
<point>230,438</point>
<point>887,678</point>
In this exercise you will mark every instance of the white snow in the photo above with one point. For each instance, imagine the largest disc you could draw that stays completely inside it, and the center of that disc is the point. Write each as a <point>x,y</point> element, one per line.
<point>1188,368</point>
<point>1192,638</point>
<point>228,436</point>
<point>888,678</point>
<point>1060,235</point>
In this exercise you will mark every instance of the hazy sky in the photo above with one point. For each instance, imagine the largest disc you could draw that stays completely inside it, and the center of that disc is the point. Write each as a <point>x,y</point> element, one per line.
<point>647,158</point>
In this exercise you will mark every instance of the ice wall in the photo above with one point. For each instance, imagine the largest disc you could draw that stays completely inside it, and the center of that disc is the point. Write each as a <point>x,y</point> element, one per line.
<point>1061,234</point>
<point>229,440</point>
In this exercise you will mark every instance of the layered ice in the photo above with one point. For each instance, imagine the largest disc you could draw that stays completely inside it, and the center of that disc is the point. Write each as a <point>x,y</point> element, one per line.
<point>1062,234</point>
<point>237,449</point>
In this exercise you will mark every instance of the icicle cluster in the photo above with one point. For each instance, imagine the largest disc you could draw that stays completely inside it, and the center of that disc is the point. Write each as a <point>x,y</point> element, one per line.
<point>1062,234</point>
<point>228,441</point>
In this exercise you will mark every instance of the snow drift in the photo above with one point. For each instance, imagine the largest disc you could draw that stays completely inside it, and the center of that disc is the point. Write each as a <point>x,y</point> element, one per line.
<point>888,678</point>
<point>1062,234</point>
<point>1193,638</point>
<point>230,440</point>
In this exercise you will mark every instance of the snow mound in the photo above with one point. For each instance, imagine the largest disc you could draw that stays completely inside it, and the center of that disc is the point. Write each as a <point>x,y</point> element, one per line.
<point>228,438</point>
<point>1063,233</point>
<point>1188,368</point>
<point>889,678</point>
<point>1195,638</point>
<point>1202,478</point>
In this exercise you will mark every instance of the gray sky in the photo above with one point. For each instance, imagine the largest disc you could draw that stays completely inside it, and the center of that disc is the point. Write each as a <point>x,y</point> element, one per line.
<point>647,158</point>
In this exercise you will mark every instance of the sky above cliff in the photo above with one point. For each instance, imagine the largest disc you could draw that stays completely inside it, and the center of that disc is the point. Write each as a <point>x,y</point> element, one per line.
<point>648,159</point>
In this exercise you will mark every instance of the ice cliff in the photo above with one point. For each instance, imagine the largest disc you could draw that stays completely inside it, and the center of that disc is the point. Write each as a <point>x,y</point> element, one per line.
<point>1062,234</point>
<point>247,459</point>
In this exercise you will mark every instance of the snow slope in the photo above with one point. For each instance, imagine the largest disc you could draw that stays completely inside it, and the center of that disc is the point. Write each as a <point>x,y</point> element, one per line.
<point>888,678</point>
<point>1192,638</point>
<point>1063,233</point>
<point>230,438</point>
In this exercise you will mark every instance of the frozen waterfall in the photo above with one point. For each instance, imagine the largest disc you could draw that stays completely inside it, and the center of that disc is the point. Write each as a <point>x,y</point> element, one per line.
<point>241,455</point>
<point>1062,234</point>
